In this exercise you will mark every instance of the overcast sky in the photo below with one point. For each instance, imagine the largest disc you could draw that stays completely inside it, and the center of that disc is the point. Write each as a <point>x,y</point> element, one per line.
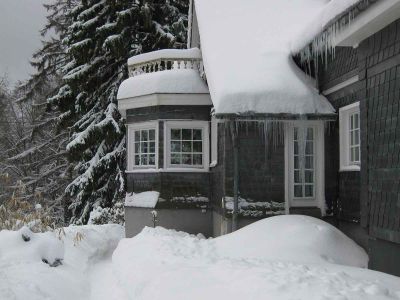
<point>20,22</point>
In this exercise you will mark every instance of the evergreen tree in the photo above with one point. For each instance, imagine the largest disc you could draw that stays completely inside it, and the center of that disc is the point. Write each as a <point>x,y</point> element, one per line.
<point>103,35</point>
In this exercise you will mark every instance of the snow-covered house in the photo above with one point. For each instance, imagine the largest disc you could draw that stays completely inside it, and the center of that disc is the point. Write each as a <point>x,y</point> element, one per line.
<point>233,129</point>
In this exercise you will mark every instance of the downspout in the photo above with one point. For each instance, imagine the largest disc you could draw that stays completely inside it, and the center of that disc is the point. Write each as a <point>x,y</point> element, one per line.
<point>235,144</point>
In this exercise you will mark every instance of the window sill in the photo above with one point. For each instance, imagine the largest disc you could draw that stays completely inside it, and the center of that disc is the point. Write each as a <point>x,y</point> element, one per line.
<point>350,169</point>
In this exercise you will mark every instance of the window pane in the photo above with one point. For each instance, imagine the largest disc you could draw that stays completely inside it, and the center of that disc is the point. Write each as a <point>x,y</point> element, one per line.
<point>186,134</point>
<point>176,146</point>
<point>152,147</point>
<point>197,159</point>
<point>310,134</point>
<point>357,154</point>
<point>295,134</point>
<point>309,147</point>
<point>357,121</point>
<point>144,147</point>
<point>298,191</point>
<point>186,146</point>
<point>357,137</point>
<point>137,160</point>
<point>297,177</point>
<point>197,147</point>
<point>197,136</point>
<point>309,191</point>
<point>296,148</point>
<point>152,135</point>
<point>137,147</point>
<point>137,136</point>
<point>175,134</point>
<point>152,159</point>
<point>309,162</point>
<point>186,159</point>
<point>143,159</point>
<point>176,159</point>
<point>145,135</point>
<point>296,162</point>
<point>309,176</point>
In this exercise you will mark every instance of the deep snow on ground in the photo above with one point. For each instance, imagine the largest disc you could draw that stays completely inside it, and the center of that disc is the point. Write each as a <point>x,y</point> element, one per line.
<point>285,257</point>
<point>23,274</point>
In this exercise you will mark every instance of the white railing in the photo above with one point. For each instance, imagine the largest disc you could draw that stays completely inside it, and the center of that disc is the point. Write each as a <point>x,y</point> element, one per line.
<point>168,59</point>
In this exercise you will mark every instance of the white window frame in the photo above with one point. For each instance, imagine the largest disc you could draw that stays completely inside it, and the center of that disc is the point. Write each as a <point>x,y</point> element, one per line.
<point>131,145</point>
<point>344,137</point>
<point>204,125</point>
<point>214,141</point>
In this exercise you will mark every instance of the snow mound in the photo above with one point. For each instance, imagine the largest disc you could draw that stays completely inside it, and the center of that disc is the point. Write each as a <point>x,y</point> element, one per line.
<point>86,245</point>
<point>184,81</point>
<point>25,246</point>
<point>165,264</point>
<point>24,275</point>
<point>246,46</point>
<point>293,238</point>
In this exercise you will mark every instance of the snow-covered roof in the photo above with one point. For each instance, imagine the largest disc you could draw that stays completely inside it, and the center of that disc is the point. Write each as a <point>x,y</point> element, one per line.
<point>182,81</point>
<point>330,12</point>
<point>145,199</point>
<point>247,53</point>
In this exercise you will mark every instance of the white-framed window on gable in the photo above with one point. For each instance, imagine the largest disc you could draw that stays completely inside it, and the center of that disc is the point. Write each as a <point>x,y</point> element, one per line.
<point>350,141</point>
<point>186,145</point>
<point>143,146</point>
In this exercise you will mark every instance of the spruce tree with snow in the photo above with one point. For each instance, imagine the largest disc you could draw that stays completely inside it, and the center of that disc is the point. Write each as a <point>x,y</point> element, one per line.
<point>103,35</point>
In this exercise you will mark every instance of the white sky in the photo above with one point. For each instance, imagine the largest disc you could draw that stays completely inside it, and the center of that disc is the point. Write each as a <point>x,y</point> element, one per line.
<point>20,22</point>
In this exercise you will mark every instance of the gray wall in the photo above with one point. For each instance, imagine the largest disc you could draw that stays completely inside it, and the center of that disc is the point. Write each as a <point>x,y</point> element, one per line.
<point>193,221</point>
<point>375,201</point>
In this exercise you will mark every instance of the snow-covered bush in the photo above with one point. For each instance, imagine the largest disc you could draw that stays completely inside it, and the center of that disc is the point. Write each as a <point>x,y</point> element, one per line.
<point>108,215</point>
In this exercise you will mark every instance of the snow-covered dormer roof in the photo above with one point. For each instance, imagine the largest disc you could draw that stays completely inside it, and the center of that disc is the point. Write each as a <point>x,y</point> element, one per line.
<point>247,53</point>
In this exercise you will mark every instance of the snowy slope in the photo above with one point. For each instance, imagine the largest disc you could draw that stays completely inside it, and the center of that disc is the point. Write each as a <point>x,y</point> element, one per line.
<point>285,257</point>
<point>246,46</point>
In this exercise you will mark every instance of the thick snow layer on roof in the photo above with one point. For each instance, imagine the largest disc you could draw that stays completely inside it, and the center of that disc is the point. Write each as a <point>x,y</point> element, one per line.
<point>331,10</point>
<point>165,54</point>
<point>246,46</point>
<point>145,199</point>
<point>183,81</point>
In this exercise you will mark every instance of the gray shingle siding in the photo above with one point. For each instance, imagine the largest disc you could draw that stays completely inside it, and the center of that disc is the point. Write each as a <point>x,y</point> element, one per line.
<point>373,194</point>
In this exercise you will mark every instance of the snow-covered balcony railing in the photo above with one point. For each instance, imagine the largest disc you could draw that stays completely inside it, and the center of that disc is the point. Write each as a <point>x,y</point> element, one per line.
<point>168,59</point>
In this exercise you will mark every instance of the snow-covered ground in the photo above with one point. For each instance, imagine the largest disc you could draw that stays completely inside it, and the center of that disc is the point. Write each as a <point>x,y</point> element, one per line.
<point>85,250</point>
<point>284,257</point>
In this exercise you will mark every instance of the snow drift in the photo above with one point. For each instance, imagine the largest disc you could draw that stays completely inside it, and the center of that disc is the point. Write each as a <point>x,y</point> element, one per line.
<point>285,257</point>
<point>293,238</point>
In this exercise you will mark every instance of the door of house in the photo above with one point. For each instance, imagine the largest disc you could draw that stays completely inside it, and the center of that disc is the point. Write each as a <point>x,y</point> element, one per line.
<point>304,164</point>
